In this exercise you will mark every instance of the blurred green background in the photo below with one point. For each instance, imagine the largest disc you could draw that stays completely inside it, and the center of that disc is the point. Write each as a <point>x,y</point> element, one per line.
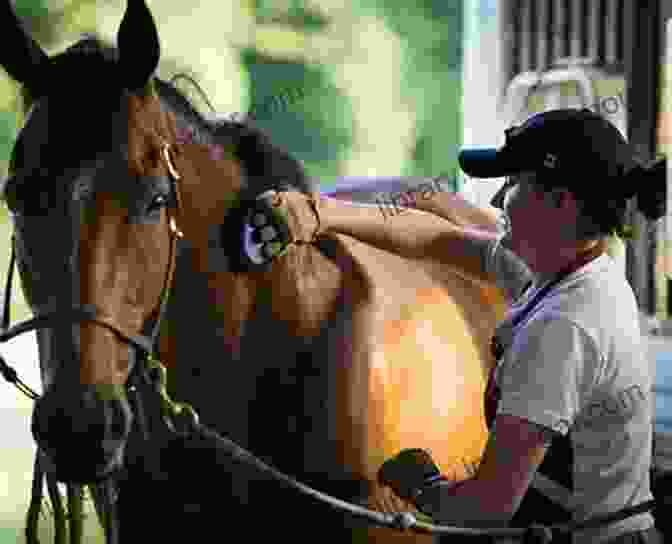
<point>371,88</point>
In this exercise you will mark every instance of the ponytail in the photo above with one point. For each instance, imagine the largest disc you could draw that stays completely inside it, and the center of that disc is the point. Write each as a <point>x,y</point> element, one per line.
<point>608,216</point>
<point>649,184</point>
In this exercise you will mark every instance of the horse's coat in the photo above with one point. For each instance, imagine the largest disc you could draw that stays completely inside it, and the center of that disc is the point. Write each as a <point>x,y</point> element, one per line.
<point>327,363</point>
<point>332,360</point>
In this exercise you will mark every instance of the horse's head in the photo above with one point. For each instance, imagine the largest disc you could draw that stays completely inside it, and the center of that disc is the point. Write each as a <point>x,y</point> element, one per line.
<point>93,193</point>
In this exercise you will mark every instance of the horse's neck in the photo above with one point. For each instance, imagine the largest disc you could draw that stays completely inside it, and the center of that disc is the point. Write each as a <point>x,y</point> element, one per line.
<point>301,288</point>
<point>291,300</point>
<point>295,296</point>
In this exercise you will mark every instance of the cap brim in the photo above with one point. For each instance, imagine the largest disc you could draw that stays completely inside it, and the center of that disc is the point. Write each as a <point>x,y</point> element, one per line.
<point>484,163</point>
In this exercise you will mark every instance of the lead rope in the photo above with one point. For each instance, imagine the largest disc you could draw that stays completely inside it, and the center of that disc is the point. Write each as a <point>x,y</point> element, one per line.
<point>60,522</point>
<point>33,515</point>
<point>76,512</point>
<point>110,521</point>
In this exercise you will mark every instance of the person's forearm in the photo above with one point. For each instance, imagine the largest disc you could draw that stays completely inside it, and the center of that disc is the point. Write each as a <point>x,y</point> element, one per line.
<point>471,504</point>
<point>456,209</point>
<point>412,234</point>
<point>370,226</point>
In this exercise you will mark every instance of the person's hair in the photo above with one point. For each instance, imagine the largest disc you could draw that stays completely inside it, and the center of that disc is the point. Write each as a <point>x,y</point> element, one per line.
<point>602,214</point>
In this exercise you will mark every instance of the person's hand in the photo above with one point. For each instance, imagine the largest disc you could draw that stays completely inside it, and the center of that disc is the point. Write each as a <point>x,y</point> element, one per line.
<point>408,472</point>
<point>384,499</point>
<point>278,219</point>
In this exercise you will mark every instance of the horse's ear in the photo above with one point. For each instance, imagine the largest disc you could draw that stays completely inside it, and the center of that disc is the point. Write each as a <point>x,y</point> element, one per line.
<point>138,45</point>
<point>20,55</point>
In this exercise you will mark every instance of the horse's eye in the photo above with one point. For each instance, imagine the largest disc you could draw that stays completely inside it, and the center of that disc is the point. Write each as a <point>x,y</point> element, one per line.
<point>158,202</point>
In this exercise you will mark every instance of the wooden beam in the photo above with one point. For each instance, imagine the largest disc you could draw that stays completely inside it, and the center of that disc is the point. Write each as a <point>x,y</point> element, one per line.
<point>642,54</point>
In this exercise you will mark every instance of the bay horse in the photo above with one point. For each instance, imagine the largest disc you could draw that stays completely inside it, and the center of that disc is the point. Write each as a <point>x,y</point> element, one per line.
<point>324,364</point>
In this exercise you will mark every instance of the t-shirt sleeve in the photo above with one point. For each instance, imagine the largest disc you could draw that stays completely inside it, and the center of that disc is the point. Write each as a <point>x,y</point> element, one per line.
<point>544,373</point>
<point>510,272</point>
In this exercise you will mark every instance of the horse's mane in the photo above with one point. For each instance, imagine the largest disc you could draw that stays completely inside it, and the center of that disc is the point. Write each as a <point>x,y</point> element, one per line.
<point>265,164</point>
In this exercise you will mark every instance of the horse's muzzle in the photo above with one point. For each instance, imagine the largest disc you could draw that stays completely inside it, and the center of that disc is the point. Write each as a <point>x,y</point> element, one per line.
<point>82,430</point>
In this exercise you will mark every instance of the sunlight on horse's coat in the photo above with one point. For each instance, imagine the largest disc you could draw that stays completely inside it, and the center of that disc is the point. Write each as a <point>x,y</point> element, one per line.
<point>451,391</point>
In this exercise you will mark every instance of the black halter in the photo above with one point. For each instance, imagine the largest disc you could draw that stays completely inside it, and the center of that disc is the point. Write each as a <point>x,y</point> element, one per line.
<point>143,373</point>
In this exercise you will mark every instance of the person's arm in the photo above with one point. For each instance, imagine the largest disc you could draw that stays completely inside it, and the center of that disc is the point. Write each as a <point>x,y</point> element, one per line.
<point>411,479</point>
<point>456,209</point>
<point>516,448</point>
<point>412,234</point>
<point>472,253</point>
<point>554,353</point>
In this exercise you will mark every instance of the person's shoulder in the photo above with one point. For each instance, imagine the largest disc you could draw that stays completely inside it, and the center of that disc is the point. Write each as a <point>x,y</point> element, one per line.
<point>557,330</point>
<point>601,289</point>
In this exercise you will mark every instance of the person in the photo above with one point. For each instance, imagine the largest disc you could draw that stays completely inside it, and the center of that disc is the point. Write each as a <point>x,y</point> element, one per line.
<point>568,403</point>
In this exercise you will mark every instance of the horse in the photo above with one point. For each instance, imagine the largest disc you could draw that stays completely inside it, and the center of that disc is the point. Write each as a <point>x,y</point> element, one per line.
<point>325,363</point>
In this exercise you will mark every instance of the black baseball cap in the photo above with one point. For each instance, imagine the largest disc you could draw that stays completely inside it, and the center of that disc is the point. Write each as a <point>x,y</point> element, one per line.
<point>560,144</point>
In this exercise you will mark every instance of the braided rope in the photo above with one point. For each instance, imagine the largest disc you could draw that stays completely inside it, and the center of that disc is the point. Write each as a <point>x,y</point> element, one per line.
<point>60,519</point>
<point>33,515</point>
<point>172,410</point>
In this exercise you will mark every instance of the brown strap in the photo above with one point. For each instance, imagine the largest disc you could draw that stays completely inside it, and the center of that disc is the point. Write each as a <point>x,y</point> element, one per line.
<point>313,206</point>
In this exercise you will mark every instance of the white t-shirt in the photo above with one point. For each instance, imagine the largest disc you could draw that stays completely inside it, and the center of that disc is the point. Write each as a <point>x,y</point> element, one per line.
<point>577,364</point>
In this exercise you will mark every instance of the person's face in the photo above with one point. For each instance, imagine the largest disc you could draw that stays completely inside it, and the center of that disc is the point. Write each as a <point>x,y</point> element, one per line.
<point>534,219</point>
